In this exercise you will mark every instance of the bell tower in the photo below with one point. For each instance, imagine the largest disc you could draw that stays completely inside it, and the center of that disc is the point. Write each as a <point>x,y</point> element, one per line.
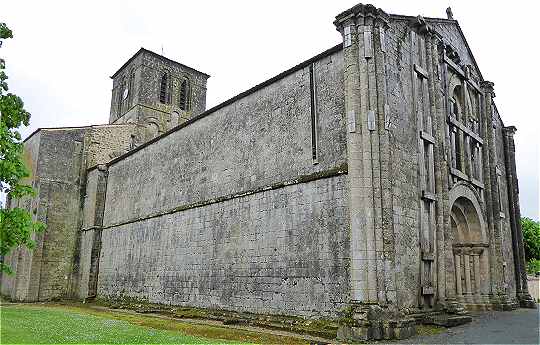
<point>156,93</point>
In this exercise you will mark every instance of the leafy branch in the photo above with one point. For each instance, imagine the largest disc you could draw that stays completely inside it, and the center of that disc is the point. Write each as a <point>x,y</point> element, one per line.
<point>16,224</point>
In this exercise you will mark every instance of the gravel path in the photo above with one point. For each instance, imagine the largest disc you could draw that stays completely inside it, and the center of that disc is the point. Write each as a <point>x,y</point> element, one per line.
<point>519,326</point>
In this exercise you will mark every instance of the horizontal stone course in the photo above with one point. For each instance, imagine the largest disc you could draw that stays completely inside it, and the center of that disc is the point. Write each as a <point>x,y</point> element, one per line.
<point>282,251</point>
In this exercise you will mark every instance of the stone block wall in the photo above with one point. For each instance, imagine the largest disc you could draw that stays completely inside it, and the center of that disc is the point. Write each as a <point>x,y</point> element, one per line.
<point>232,211</point>
<point>21,286</point>
<point>280,251</point>
<point>259,140</point>
<point>504,216</point>
<point>61,163</point>
<point>44,273</point>
<point>58,159</point>
<point>127,112</point>
<point>102,144</point>
<point>106,142</point>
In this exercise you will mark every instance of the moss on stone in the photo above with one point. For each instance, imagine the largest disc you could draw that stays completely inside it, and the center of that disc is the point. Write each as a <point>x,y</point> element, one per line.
<point>326,328</point>
<point>429,329</point>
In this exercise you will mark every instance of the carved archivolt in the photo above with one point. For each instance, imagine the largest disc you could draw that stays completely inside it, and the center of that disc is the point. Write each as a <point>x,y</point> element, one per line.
<point>467,214</point>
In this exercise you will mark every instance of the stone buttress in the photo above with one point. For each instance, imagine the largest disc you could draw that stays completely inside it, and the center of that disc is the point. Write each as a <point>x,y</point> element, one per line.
<point>374,313</point>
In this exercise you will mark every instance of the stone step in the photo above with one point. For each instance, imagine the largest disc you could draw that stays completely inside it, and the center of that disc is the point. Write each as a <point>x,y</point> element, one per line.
<point>450,320</point>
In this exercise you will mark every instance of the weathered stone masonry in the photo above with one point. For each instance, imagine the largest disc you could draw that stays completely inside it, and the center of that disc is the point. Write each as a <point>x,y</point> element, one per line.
<point>272,143</point>
<point>376,177</point>
<point>58,159</point>
<point>276,257</point>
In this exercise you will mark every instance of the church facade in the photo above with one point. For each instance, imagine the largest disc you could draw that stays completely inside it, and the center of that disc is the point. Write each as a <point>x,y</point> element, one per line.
<point>376,177</point>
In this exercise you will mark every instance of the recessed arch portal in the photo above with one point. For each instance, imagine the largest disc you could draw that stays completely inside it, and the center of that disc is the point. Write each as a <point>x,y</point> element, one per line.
<point>469,245</point>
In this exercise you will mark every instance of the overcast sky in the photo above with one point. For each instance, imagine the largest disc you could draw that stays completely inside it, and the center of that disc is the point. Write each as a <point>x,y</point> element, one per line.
<point>63,53</point>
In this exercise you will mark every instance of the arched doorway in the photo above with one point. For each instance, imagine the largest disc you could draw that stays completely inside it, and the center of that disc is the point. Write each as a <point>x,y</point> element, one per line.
<point>469,248</point>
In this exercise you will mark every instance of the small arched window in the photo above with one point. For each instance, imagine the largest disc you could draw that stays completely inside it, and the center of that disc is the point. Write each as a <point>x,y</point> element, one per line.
<point>163,89</point>
<point>183,101</point>
<point>457,109</point>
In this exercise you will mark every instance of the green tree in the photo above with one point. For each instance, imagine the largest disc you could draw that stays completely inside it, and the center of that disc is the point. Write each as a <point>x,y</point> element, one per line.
<point>531,238</point>
<point>531,242</point>
<point>16,224</point>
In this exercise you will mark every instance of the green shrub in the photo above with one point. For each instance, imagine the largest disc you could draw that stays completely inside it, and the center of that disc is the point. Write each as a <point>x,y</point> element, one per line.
<point>531,238</point>
<point>533,266</point>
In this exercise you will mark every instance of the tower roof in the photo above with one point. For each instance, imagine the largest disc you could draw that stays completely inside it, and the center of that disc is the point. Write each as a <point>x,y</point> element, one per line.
<point>143,50</point>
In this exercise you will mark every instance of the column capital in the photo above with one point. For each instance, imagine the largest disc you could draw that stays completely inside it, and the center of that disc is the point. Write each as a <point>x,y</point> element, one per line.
<point>487,86</point>
<point>420,25</point>
<point>510,130</point>
<point>357,13</point>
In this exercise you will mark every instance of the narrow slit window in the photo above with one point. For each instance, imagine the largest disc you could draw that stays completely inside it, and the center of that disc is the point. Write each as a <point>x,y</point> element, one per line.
<point>130,87</point>
<point>120,95</point>
<point>458,147</point>
<point>474,159</point>
<point>453,147</point>
<point>163,89</point>
<point>184,95</point>
<point>499,190</point>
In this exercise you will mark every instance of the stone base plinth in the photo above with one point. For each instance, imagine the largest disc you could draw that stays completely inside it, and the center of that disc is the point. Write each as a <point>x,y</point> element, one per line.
<point>504,303</point>
<point>526,301</point>
<point>372,322</point>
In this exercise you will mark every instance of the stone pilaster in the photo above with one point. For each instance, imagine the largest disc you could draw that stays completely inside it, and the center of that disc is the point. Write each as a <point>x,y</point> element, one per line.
<point>442,143</point>
<point>497,264</point>
<point>386,249</point>
<point>446,255</point>
<point>522,290</point>
<point>429,106</point>
<point>98,224</point>
<point>372,280</point>
<point>487,127</point>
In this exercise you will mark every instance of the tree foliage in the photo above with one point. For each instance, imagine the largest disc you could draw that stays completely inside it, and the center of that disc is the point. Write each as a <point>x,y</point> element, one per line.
<point>531,238</point>
<point>16,224</point>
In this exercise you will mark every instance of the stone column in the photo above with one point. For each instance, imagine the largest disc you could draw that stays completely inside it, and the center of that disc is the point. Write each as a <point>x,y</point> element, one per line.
<point>492,211</point>
<point>467,265</point>
<point>386,246</point>
<point>442,144</point>
<point>522,290</point>
<point>357,214</point>
<point>485,281</point>
<point>364,102</point>
<point>457,262</point>
<point>476,266</point>
<point>446,256</point>
<point>369,146</point>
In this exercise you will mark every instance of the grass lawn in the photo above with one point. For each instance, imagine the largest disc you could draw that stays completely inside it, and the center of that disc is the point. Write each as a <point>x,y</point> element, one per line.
<point>55,324</point>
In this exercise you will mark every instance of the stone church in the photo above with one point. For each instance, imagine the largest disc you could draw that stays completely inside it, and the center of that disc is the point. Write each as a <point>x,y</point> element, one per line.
<point>375,180</point>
